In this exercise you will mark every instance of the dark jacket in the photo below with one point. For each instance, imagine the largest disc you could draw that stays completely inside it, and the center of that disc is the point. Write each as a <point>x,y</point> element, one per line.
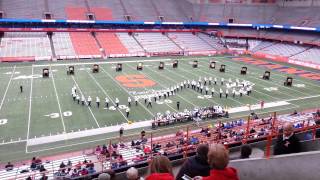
<point>194,166</point>
<point>293,146</point>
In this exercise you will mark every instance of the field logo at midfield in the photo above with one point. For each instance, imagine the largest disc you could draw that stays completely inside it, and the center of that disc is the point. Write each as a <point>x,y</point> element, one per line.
<point>135,81</point>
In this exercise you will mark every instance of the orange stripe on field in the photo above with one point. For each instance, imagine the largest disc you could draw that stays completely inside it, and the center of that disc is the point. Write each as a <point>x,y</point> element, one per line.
<point>135,81</point>
<point>272,66</point>
<point>292,71</point>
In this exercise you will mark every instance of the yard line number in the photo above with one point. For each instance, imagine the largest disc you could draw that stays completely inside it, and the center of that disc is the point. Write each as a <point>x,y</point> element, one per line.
<point>57,115</point>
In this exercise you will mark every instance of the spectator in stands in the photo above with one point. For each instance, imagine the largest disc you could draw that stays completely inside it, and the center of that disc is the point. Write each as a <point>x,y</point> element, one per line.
<point>218,159</point>
<point>91,170</point>
<point>288,142</point>
<point>294,113</point>
<point>143,134</point>
<point>121,132</point>
<point>74,173</point>
<point>69,164</point>
<point>44,177</point>
<point>62,165</point>
<point>318,130</point>
<point>9,166</point>
<point>78,165</point>
<point>121,161</point>
<point>84,172</point>
<point>246,151</point>
<point>197,165</point>
<point>41,168</point>
<point>103,176</point>
<point>98,150</point>
<point>132,174</point>
<point>160,169</point>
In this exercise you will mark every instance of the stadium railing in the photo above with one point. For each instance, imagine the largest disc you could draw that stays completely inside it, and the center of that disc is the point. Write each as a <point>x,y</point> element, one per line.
<point>231,134</point>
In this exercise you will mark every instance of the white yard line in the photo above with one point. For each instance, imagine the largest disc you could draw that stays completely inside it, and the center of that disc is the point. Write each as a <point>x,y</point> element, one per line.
<point>300,98</point>
<point>30,106</point>
<point>105,93</point>
<point>173,127</point>
<point>89,63</point>
<point>86,101</point>
<point>13,142</point>
<point>142,105</point>
<point>5,93</point>
<point>59,105</point>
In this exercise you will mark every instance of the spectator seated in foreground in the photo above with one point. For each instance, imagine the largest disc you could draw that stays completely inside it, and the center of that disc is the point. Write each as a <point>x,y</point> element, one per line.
<point>160,169</point>
<point>218,159</point>
<point>196,165</point>
<point>288,142</point>
<point>132,174</point>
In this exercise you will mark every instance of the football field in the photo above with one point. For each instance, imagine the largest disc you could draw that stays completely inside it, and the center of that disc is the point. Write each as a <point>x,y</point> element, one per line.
<point>44,118</point>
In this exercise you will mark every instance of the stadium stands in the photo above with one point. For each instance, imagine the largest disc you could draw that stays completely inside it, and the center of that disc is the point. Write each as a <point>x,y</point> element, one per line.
<point>111,43</point>
<point>63,45</point>
<point>190,42</point>
<point>212,41</point>
<point>25,45</point>
<point>122,155</point>
<point>115,6</point>
<point>283,49</point>
<point>140,9</point>
<point>310,55</point>
<point>170,10</point>
<point>130,43</point>
<point>18,9</point>
<point>22,172</point>
<point>263,45</point>
<point>90,47</point>
<point>151,41</point>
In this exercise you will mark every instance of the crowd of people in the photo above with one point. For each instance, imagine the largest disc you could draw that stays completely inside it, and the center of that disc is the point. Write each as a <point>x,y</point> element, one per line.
<point>196,114</point>
<point>186,144</point>
<point>211,159</point>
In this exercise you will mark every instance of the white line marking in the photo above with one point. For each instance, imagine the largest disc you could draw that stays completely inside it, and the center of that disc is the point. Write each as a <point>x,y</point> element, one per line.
<point>107,95</point>
<point>86,101</point>
<point>104,139</point>
<point>126,91</point>
<point>13,142</point>
<point>300,98</point>
<point>113,62</point>
<point>5,93</point>
<point>59,105</point>
<point>29,117</point>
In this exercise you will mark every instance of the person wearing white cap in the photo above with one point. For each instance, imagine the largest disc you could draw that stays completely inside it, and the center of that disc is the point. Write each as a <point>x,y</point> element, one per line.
<point>129,101</point>
<point>106,102</point>
<point>89,101</point>
<point>117,102</point>
<point>98,101</point>
<point>127,111</point>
